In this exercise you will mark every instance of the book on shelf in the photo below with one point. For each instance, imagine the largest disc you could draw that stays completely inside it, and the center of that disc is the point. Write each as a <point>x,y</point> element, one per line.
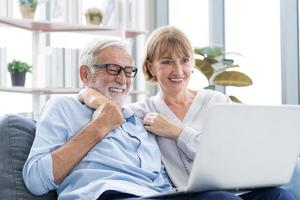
<point>110,13</point>
<point>62,68</point>
<point>64,11</point>
<point>3,67</point>
<point>72,76</point>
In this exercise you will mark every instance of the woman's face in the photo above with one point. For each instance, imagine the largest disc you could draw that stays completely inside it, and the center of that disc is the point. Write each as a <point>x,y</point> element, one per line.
<point>172,73</point>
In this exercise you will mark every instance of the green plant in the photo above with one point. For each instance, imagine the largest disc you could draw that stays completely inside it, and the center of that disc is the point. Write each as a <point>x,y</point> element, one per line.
<point>217,69</point>
<point>19,66</point>
<point>93,14</point>
<point>31,3</point>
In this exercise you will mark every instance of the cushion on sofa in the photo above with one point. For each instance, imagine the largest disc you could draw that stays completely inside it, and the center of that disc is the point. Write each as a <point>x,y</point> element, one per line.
<point>17,134</point>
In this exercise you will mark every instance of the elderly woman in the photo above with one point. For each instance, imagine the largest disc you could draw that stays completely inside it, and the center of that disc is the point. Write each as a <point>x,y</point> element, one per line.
<point>176,114</point>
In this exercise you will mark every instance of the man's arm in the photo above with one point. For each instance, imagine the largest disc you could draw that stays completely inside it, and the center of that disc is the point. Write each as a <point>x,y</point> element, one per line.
<point>92,98</point>
<point>65,158</point>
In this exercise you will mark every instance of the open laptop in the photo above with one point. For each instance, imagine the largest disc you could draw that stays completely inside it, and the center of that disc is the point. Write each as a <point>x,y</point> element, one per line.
<point>245,147</point>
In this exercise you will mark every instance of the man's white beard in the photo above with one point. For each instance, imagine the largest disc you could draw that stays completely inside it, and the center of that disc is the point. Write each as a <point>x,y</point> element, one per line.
<point>117,98</point>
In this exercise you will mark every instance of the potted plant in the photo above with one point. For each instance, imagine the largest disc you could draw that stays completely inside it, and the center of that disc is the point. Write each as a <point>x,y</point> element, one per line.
<point>93,16</point>
<point>18,71</point>
<point>206,59</point>
<point>27,8</point>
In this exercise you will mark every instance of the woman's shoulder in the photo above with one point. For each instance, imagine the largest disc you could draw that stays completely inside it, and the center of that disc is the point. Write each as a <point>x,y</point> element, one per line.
<point>212,96</point>
<point>140,108</point>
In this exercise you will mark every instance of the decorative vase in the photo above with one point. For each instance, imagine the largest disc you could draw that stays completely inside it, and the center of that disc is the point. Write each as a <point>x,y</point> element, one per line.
<point>27,11</point>
<point>18,78</point>
<point>96,20</point>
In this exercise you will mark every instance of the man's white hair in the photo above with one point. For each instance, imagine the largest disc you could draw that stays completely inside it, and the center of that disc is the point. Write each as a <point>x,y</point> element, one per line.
<point>89,52</point>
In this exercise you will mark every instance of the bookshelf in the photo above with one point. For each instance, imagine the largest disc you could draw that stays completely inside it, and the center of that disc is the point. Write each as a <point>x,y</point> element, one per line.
<point>41,26</point>
<point>38,28</point>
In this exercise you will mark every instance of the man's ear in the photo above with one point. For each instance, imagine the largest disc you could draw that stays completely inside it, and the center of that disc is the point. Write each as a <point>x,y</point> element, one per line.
<point>85,74</point>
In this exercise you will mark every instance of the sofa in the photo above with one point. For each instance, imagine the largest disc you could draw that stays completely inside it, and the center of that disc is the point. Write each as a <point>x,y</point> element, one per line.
<point>17,134</point>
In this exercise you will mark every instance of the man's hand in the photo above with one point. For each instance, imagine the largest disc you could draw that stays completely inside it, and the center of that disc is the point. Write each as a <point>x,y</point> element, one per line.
<point>92,98</point>
<point>107,118</point>
<point>160,125</point>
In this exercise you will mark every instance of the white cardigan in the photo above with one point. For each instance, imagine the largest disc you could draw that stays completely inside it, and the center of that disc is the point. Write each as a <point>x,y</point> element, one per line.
<point>178,156</point>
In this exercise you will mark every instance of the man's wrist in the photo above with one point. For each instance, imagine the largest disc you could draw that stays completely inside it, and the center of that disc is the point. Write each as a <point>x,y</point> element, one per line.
<point>99,129</point>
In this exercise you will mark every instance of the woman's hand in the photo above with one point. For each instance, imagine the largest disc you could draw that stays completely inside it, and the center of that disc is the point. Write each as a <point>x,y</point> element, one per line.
<point>160,125</point>
<point>92,98</point>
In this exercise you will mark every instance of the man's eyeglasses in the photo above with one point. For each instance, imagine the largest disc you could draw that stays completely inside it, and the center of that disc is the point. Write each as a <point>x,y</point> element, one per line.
<point>115,69</point>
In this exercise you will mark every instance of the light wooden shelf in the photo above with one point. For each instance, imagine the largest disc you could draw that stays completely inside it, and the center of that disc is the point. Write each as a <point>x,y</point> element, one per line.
<point>17,89</point>
<point>25,90</point>
<point>41,26</point>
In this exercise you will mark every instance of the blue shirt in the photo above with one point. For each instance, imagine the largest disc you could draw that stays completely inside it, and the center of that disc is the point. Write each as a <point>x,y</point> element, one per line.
<point>126,160</point>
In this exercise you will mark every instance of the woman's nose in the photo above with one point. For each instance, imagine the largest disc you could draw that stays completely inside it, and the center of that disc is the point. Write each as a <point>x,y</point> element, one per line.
<point>178,68</point>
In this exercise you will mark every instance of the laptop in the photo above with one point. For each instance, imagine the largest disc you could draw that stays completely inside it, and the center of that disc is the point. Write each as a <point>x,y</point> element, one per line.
<point>245,147</point>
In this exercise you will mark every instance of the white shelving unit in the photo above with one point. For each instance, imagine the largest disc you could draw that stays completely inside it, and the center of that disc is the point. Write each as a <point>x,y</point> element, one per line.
<point>39,27</point>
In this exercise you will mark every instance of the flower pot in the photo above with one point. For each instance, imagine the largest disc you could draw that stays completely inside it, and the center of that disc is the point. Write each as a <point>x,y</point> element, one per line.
<point>18,78</point>
<point>27,11</point>
<point>95,20</point>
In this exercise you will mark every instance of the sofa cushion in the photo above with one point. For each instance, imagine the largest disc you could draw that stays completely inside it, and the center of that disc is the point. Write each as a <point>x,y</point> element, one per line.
<point>17,134</point>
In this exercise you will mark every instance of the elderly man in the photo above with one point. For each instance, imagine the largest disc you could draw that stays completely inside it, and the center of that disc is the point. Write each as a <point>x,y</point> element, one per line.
<point>106,156</point>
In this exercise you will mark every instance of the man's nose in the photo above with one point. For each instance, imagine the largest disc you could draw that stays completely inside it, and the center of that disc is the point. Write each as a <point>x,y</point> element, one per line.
<point>121,78</point>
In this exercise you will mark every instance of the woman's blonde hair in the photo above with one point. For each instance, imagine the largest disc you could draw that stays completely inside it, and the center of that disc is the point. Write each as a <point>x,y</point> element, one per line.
<point>165,41</point>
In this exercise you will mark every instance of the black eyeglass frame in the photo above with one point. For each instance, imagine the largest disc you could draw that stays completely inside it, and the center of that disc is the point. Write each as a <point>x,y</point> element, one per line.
<point>119,68</point>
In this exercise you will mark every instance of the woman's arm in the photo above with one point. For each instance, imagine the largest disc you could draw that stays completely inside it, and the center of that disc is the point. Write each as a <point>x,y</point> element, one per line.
<point>187,138</point>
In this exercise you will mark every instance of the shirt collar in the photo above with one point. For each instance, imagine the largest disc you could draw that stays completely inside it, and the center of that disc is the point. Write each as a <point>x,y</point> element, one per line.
<point>129,116</point>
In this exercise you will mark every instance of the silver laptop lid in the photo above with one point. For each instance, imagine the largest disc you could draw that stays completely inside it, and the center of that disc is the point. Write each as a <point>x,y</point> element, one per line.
<point>246,146</point>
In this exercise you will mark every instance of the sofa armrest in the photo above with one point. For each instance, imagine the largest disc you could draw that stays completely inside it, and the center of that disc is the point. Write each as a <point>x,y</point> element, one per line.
<point>17,134</point>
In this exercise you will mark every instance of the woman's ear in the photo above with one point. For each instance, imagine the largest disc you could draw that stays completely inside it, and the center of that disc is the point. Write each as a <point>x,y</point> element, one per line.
<point>150,68</point>
<point>85,74</point>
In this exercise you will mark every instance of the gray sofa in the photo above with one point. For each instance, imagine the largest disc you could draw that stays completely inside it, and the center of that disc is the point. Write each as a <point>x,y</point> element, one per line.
<point>16,137</point>
<point>17,134</point>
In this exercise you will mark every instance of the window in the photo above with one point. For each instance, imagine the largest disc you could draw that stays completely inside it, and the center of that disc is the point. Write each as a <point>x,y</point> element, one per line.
<point>252,28</point>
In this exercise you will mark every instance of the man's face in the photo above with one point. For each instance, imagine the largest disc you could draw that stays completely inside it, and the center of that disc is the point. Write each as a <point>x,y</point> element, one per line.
<point>114,87</point>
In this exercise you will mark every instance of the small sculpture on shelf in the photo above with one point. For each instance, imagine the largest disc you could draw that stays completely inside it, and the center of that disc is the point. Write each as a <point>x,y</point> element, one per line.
<point>93,16</point>
<point>28,8</point>
<point>18,71</point>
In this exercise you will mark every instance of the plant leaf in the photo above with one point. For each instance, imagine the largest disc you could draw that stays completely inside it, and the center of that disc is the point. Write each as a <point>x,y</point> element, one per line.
<point>210,51</point>
<point>227,61</point>
<point>231,66</point>
<point>198,51</point>
<point>232,78</point>
<point>234,99</point>
<point>210,87</point>
<point>204,66</point>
